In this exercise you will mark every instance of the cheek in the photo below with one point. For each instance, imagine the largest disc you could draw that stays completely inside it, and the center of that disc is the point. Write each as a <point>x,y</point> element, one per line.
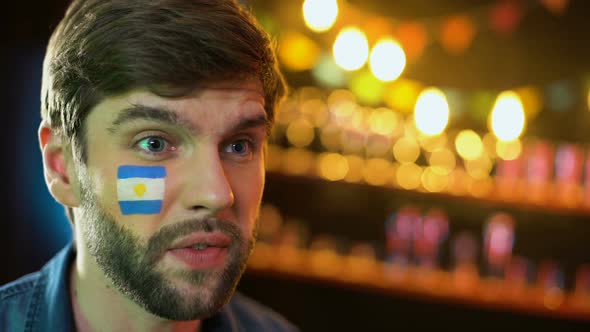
<point>106,187</point>
<point>248,190</point>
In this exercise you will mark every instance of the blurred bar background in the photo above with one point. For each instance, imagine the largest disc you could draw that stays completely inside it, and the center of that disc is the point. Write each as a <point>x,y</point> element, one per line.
<point>429,169</point>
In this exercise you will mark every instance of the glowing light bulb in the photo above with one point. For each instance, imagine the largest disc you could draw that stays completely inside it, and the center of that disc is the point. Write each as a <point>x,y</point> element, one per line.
<point>351,49</point>
<point>320,15</point>
<point>431,113</point>
<point>507,117</point>
<point>387,60</point>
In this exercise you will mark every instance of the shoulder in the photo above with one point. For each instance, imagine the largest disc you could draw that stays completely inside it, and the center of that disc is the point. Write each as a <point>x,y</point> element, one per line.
<point>18,289</point>
<point>15,298</point>
<point>257,317</point>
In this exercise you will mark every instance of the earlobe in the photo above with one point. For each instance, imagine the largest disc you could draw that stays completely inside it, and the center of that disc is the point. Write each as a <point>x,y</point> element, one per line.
<point>58,175</point>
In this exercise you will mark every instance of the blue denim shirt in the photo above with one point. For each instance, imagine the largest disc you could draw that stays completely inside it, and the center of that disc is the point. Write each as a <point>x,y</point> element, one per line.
<point>41,302</point>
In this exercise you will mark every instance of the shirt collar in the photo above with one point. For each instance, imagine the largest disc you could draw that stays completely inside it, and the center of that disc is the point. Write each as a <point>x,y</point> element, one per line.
<point>50,308</point>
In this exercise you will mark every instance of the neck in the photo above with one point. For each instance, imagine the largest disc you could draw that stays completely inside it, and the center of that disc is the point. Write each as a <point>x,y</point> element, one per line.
<point>98,306</point>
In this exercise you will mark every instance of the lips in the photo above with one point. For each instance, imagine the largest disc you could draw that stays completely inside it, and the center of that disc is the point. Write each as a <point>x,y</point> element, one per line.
<point>200,251</point>
<point>215,239</point>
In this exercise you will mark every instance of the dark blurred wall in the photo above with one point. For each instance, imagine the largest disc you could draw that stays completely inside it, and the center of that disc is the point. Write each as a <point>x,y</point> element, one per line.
<point>33,225</point>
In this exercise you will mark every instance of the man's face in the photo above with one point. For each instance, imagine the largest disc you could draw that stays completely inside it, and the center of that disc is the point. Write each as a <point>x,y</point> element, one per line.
<point>184,261</point>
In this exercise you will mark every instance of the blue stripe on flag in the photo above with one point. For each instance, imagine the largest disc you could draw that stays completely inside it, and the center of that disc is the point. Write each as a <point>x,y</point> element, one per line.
<point>141,207</point>
<point>153,172</point>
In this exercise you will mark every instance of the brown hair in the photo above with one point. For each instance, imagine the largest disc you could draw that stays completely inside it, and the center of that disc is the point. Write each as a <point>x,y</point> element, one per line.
<point>103,48</point>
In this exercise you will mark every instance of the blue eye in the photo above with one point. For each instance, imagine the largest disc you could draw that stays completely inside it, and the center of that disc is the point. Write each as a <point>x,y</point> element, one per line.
<point>152,144</point>
<point>240,147</point>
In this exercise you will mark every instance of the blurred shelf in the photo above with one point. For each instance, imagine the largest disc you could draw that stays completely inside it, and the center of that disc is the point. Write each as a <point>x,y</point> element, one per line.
<point>437,286</point>
<point>495,197</point>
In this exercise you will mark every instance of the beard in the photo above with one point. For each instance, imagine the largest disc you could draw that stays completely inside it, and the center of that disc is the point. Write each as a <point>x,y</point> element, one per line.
<point>132,265</point>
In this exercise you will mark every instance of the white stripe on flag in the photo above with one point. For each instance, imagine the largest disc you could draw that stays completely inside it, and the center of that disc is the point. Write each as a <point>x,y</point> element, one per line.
<point>154,189</point>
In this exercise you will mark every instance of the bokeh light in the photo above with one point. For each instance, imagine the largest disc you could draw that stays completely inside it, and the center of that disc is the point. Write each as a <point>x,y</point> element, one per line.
<point>330,137</point>
<point>507,117</point>
<point>298,161</point>
<point>457,32</point>
<point>468,144</point>
<point>413,37</point>
<point>273,158</point>
<point>356,166</point>
<point>509,150</point>
<point>433,181</point>
<point>402,94</point>
<point>442,161</point>
<point>378,146</point>
<point>332,166</point>
<point>377,171</point>
<point>409,176</point>
<point>406,150</point>
<point>300,133</point>
<point>489,144</point>
<point>383,121</point>
<point>532,100</point>
<point>387,60</point>
<point>353,141</point>
<point>479,168</point>
<point>351,48</point>
<point>367,88</point>
<point>288,112</point>
<point>340,96</point>
<point>320,15</point>
<point>297,52</point>
<point>316,111</point>
<point>431,113</point>
<point>481,188</point>
<point>433,143</point>
<point>327,73</point>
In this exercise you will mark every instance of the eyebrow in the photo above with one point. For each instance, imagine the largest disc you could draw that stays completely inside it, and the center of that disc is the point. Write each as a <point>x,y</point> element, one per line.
<point>162,115</point>
<point>142,112</point>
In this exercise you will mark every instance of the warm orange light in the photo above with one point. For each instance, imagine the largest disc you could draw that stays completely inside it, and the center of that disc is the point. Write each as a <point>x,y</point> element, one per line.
<point>377,171</point>
<point>469,144</point>
<point>297,52</point>
<point>409,176</point>
<point>300,133</point>
<point>332,166</point>
<point>406,150</point>
<point>413,37</point>
<point>442,161</point>
<point>297,161</point>
<point>434,181</point>
<point>509,150</point>
<point>457,33</point>
<point>383,121</point>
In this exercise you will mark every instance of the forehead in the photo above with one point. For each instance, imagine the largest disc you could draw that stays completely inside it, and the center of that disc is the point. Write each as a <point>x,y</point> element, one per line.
<point>213,105</point>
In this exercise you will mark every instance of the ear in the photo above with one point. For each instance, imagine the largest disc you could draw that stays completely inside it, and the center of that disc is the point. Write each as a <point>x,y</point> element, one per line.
<point>57,166</point>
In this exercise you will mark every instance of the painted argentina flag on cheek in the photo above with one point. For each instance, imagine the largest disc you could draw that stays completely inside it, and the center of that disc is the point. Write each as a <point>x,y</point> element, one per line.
<point>140,189</point>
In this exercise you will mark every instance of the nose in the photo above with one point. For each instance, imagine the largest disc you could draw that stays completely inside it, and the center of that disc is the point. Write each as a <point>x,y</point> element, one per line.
<point>207,186</point>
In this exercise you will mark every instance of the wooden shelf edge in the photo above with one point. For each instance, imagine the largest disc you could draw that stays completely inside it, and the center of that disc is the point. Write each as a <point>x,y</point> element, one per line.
<point>413,282</point>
